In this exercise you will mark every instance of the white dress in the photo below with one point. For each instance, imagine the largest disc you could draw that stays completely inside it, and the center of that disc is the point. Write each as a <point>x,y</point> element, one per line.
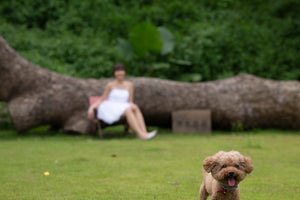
<point>112,109</point>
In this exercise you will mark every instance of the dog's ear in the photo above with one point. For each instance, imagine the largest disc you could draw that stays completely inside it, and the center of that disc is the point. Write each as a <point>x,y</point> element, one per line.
<point>209,163</point>
<point>248,165</point>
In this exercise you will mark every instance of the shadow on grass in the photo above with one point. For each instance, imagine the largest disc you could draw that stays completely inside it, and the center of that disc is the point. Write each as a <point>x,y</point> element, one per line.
<point>44,132</point>
<point>10,133</point>
<point>114,132</point>
<point>117,132</point>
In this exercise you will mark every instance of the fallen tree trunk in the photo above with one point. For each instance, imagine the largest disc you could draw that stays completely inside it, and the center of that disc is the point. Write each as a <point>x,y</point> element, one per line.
<point>36,96</point>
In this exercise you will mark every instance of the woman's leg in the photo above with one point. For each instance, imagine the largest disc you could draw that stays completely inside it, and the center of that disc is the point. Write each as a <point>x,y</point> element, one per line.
<point>140,119</point>
<point>133,122</point>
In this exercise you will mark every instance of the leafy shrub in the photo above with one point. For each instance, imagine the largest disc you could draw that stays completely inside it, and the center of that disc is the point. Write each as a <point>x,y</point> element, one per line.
<point>208,39</point>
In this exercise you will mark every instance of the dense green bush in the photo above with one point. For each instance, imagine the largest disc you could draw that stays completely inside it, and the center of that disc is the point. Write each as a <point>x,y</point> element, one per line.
<point>213,38</point>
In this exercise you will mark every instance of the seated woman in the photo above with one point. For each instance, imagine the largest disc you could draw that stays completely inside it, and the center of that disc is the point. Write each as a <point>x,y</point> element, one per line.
<point>117,100</point>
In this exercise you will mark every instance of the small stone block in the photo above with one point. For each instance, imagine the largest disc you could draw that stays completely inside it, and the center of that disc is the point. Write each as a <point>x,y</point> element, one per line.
<point>191,121</point>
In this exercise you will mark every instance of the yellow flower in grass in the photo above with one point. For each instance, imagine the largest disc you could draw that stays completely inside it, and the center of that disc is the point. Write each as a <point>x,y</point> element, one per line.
<point>46,173</point>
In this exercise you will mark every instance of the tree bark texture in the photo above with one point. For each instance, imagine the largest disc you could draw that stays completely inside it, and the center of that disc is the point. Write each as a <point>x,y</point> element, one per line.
<point>36,96</point>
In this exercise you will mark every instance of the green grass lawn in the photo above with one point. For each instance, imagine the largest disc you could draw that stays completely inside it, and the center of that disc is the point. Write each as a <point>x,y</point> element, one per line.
<point>167,167</point>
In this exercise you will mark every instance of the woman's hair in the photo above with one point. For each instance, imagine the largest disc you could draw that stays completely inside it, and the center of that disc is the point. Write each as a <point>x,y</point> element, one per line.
<point>119,66</point>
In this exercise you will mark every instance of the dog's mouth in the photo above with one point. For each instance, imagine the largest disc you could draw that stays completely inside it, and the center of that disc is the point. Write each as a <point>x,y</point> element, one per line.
<point>231,181</point>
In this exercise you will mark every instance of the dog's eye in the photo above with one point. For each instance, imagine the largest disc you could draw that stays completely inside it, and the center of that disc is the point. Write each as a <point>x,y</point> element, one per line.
<point>236,166</point>
<point>224,166</point>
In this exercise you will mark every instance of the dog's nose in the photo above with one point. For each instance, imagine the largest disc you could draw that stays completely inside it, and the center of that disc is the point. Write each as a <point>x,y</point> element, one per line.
<point>231,173</point>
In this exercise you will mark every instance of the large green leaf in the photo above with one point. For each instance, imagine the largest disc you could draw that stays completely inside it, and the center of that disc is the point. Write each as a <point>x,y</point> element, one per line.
<point>125,49</point>
<point>168,40</point>
<point>145,38</point>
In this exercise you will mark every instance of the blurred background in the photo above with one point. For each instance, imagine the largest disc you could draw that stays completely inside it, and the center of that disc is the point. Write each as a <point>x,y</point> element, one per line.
<point>190,41</point>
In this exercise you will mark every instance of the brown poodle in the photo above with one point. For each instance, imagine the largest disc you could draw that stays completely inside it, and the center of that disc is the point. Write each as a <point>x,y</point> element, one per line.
<point>222,173</point>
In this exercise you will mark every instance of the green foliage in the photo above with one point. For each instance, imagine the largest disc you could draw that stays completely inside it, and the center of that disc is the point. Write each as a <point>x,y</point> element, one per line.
<point>125,49</point>
<point>237,126</point>
<point>170,39</point>
<point>145,38</point>
<point>5,122</point>
<point>147,44</point>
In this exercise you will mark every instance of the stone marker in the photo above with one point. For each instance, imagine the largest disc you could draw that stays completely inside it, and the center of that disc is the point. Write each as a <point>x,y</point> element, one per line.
<point>191,121</point>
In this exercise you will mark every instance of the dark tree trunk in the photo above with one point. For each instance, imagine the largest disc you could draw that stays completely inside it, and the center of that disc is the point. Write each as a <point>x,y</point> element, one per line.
<point>36,96</point>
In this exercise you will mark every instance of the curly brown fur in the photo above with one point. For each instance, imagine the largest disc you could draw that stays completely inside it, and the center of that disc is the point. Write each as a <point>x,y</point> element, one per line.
<point>227,169</point>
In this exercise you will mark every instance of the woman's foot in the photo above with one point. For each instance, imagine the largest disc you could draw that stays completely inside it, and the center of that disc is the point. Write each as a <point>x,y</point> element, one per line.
<point>150,135</point>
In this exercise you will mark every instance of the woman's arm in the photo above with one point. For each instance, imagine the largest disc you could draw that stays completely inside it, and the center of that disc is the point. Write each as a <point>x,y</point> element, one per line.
<point>130,93</point>
<point>97,103</point>
<point>104,95</point>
